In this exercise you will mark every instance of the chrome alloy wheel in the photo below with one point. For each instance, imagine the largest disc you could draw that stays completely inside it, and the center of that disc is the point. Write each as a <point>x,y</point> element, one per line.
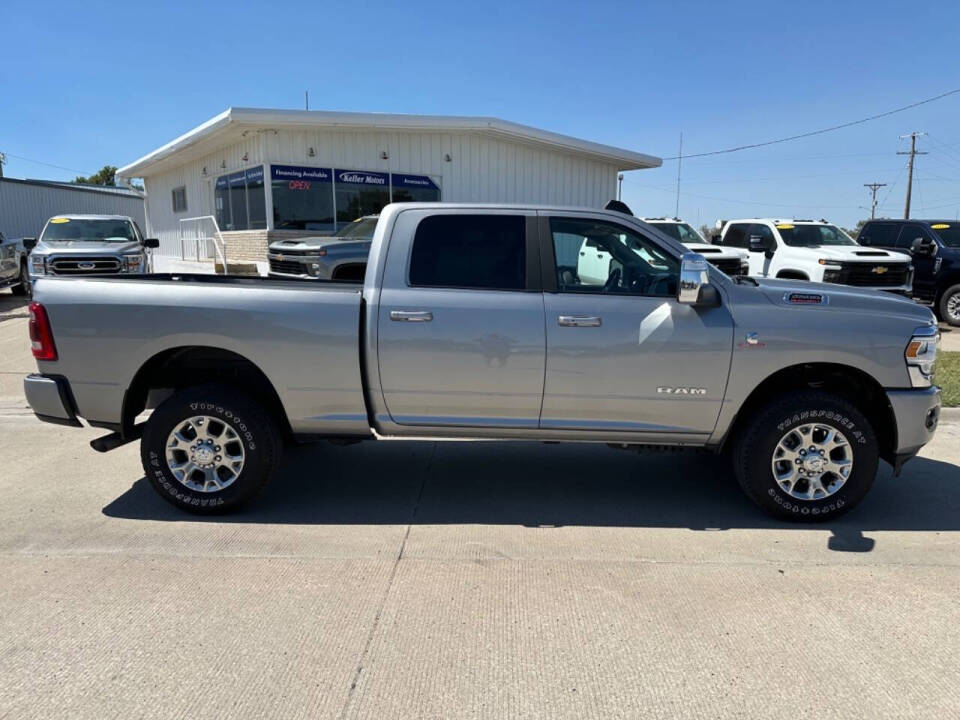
<point>205,454</point>
<point>953,307</point>
<point>812,461</point>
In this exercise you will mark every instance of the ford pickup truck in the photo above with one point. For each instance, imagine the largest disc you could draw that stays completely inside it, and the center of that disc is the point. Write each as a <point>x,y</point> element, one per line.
<point>464,328</point>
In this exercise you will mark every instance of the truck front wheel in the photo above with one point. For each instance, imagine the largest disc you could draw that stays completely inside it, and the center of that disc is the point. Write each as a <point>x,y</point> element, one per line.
<point>23,287</point>
<point>807,456</point>
<point>209,449</point>
<point>949,306</point>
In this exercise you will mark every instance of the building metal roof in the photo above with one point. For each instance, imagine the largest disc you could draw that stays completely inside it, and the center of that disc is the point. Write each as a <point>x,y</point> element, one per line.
<point>233,122</point>
<point>83,187</point>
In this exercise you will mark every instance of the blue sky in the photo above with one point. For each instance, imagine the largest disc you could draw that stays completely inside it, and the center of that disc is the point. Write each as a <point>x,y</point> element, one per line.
<point>85,84</point>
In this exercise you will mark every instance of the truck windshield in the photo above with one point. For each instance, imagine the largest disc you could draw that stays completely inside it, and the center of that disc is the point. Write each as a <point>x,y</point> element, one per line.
<point>813,235</point>
<point>679,231</point>
<point>362,228</point>
<point>949,233</point>
<point>64,229</point>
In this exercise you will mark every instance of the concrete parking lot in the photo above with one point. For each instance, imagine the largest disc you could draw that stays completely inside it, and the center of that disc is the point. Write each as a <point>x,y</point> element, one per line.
<point>465,580</point>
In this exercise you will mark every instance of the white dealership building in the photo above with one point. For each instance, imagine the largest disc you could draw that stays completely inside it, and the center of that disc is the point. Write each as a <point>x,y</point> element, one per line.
<point>265,174</point>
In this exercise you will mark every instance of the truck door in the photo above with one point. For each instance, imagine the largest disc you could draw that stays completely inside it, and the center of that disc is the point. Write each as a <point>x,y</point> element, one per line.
<point>9,263</point>
<point>460,323</point>
<point>924,284</point>
<point>622,354</point>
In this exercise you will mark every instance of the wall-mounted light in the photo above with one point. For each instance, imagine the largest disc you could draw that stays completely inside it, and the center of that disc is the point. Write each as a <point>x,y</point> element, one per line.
<point>447,157</point>
<point>223,164</point>
<point>384,155</point>
<point>311,152</point>
<point>204,171</point>
<point>244,158</point>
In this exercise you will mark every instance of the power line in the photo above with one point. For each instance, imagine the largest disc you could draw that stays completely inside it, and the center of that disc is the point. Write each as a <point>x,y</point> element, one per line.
<point>39,162</point>
<point>821,131</point>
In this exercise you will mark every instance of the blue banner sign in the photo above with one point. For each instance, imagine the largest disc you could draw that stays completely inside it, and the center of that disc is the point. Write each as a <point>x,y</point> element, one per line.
<point>360,177</point>
<point>297,172</point>
<point>413,181</point>
<point>255,174</point>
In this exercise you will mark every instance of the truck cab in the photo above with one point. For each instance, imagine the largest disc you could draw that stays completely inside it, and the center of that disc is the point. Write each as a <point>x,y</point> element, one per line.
<point>934,246</point>
<point>818,251</point>
<point>89,245</point>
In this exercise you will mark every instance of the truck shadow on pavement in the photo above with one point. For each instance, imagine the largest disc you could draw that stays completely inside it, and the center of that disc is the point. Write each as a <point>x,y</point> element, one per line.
<point>12,306</point>
<point>537,485</point>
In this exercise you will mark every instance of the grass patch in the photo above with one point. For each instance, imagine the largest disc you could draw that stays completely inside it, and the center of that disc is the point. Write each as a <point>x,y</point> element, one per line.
<point>947,376</point>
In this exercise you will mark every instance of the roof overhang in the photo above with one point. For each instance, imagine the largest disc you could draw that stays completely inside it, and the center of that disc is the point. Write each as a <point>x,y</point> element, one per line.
<point>235,123</point>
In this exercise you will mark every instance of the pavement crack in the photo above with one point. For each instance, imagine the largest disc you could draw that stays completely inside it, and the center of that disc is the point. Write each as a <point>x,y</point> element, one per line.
<point>386,593</point>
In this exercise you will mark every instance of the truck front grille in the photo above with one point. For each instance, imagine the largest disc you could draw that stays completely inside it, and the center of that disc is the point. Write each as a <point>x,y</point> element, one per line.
<point>96,265</point>
<point>728,266</point>
<point>874,274</point>
<point>288,267</point>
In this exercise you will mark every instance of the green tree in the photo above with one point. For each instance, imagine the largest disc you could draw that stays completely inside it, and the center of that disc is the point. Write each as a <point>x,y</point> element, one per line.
<point>106,176</point>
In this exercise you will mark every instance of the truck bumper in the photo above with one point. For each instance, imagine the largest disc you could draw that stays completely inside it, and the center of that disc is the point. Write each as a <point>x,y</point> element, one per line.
<point>50,399</point>
<point>917,413</point>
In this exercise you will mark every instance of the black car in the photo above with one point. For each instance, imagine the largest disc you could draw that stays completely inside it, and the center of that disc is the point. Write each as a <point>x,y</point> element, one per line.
<point>935,248</point>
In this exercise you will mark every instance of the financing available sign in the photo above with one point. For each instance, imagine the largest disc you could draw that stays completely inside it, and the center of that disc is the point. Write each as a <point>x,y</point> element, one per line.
<point>300,173</point>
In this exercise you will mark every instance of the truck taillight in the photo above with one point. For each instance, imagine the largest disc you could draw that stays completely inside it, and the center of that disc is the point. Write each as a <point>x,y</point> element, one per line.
<point>41,335</point>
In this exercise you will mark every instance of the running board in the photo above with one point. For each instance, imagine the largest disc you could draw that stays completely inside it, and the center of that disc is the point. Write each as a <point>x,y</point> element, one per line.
<point>115,439</point>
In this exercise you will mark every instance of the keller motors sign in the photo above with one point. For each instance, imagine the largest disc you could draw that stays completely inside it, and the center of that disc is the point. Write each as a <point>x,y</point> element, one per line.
<point>359,177</point>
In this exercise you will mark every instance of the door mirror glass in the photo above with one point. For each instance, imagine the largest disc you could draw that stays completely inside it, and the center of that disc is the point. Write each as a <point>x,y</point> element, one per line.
<point>151,243</point>
<point>695,287</point>
<point>29,243</point>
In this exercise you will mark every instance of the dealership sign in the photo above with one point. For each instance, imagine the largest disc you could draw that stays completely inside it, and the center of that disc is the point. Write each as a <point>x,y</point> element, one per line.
<point>360,177</point>
<point>298,172</point>
<point>413,181</point>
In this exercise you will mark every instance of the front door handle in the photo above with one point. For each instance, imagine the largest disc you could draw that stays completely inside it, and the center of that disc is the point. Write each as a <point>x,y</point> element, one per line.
<point>578,321</point>
<point>411,315</point>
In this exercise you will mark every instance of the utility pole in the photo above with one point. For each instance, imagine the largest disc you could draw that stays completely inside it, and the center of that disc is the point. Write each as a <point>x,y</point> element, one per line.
<point>873,202</point>
<point>913,152</point>
<point>676,210</point>
<point>3,159</point>
<point>620,186</point>
<point>306,99</point>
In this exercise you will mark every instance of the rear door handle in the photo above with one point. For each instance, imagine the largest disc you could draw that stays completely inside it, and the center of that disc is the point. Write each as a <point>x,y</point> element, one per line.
<point>578,321</point>
<point>411,315</point>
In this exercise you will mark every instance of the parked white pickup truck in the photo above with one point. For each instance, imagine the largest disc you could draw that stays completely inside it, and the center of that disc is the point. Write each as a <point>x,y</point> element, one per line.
<point>731,260</point>
<point>13,266</point>
<point>818,251</point>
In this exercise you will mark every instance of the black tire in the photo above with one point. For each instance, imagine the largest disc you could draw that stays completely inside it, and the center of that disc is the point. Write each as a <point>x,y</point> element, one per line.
<point>24,287</point>
<point>949,306</point>
<point>254,429</point>
<point>753,455</point>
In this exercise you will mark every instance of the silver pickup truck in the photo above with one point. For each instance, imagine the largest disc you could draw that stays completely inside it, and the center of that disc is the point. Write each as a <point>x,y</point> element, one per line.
<point>464,328</point>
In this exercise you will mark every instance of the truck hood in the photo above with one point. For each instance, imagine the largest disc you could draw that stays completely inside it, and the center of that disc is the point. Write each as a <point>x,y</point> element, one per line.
<point>86,247</point>
<point>843,298</point>
<point>715,251</point>
<point>857,253</point>
<point>317,243</point>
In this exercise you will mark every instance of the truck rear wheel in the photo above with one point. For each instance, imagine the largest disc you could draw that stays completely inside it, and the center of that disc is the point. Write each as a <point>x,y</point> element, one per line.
<point>949,306</point>
<point>807,456</point>
<point>209,449</point>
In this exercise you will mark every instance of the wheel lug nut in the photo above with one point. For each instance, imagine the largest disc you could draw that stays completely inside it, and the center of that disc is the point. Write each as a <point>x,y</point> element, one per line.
<point>217,458</point>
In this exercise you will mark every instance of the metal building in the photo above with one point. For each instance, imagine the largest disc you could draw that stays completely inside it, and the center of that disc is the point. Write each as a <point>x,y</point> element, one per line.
<point>264,174</point>
<point>26,205</point>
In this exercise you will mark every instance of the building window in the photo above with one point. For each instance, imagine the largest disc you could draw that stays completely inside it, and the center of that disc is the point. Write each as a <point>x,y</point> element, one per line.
<point>180,199</point>
<point>360,193</point>
<point>239,202</point>
<point>413,188</point>
<point>486,252</point>
<point>302,198</point>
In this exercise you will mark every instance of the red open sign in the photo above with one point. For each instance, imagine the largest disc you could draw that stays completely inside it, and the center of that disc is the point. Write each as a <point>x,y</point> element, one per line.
<point>299,185</point>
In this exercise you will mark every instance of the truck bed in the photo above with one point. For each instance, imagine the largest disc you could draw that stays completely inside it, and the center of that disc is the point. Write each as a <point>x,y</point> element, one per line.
<point>303,335</point>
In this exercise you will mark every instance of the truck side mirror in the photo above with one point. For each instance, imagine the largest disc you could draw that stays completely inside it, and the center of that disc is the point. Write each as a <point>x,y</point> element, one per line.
<point>695,288</point>
<point>29,243</point>
<point>924,247</point>
<point>151,243</point>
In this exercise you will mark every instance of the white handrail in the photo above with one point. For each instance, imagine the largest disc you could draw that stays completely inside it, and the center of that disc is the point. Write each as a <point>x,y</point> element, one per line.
<point>219,245</point>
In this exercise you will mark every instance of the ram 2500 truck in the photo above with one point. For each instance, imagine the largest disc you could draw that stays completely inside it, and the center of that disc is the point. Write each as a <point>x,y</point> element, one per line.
<point>464,328</point>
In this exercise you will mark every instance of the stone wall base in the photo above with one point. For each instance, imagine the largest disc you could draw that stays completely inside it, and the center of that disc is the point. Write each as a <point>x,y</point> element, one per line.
<point>251,245</point>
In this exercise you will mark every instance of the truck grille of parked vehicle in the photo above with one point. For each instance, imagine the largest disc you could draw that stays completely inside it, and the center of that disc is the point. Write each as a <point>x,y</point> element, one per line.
<point>94,265</point>
<point>731,267</point>
<point>289,267</point>
<point>874,274</point>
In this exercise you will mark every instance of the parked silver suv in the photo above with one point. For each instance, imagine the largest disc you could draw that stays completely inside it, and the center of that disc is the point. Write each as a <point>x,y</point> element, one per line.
<point>89,245</point>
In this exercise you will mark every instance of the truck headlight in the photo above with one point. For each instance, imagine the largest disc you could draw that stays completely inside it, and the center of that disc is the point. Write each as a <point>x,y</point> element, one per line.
<point>744,266</point>
<point>37,265</point>
<point>133,263</point>
<point>831,275</point>
<point>921,354</point>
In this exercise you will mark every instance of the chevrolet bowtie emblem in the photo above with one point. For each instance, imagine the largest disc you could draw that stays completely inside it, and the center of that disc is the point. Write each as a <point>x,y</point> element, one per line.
<point>879,270</point>
<point>279,257</point>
